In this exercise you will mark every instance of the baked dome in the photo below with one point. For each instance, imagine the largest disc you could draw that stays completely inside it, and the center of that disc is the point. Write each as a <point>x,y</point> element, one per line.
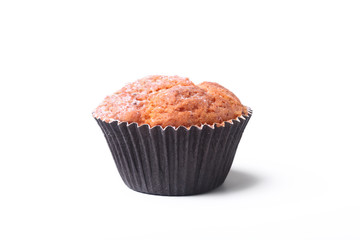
<point>170,101</point>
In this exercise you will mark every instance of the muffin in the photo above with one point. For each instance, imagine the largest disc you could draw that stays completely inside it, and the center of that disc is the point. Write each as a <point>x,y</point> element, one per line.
<point>169,136</point>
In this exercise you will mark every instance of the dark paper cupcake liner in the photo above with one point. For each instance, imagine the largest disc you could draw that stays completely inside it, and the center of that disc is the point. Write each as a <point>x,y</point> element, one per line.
<point>173,162</point>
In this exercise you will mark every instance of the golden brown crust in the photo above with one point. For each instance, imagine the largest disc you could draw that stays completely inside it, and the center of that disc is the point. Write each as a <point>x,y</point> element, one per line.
<point>170,101</point>
<point>224,99</point>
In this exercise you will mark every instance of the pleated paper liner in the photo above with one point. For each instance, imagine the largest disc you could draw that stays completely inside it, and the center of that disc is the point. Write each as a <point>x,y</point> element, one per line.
<point>173,161</point>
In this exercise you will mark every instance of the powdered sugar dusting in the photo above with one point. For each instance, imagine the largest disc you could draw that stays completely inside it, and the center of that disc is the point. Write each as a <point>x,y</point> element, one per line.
<point>170,101</point>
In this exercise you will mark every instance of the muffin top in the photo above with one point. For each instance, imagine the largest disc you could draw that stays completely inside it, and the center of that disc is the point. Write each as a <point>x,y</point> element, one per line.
<point>170,101</point>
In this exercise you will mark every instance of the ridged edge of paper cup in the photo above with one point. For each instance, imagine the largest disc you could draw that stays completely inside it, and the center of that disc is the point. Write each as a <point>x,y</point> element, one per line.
<point>173,161</point>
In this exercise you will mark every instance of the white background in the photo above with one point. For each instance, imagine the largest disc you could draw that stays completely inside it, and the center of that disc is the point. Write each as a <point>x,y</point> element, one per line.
<point>296,63</point>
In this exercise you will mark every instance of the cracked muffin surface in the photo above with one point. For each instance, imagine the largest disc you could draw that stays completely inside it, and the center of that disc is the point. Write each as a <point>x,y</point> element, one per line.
<point>170,101</point>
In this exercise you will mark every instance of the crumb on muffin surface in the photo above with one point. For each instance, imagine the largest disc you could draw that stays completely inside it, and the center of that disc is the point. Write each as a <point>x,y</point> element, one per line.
<point>170,101</point>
